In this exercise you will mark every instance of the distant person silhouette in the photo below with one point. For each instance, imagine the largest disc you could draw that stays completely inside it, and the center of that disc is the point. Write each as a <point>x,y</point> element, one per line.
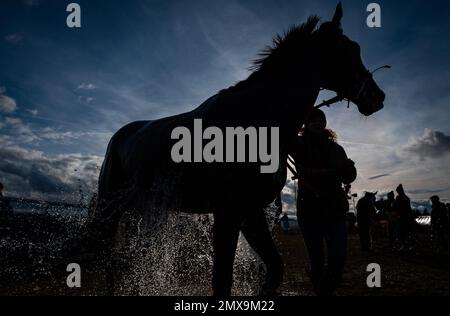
<point>5,207</point>
<point>351,221</point>
<point>285,223</point>
<point>322,204</point>
<point>381,217</point>
<point>439,222</point>
<point>406,219</point>
<point>417,213</point>
<point>365,216</point>
<point>393,219</point>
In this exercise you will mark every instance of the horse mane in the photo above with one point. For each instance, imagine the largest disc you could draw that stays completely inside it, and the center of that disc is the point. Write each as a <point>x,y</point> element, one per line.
<point>285,45</point>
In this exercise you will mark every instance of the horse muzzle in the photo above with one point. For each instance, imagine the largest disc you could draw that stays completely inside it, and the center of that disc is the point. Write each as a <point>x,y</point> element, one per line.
<point>371,100</point>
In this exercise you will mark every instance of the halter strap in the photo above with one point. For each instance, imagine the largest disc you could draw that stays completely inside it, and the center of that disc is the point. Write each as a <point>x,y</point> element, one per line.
<point>340,98</point>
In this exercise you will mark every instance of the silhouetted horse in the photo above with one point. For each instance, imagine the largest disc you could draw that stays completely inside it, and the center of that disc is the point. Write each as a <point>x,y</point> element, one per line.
<point>280,92</point>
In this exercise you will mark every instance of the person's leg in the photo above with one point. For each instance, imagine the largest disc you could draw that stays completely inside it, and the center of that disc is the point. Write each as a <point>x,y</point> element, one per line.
<point>441,237</point>
<point>286,227</point>
<point>391,233</point>
<point>364,236</point>
<point>396,233</point>
<point>403,234</point>
<point>336,239</point>
<point>313,236</point>
<point>445,237</point>
<point>433,235</point>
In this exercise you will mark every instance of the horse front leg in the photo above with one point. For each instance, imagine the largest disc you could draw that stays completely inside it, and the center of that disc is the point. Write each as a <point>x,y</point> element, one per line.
<point>225,237</point>
<point>259,237</point>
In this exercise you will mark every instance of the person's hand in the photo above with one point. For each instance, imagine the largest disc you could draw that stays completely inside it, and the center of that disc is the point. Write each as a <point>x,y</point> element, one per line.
<point>309,172</point>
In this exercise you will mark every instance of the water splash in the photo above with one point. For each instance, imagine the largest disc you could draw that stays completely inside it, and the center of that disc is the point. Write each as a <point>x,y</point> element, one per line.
<point>172,254</point>
<point>159,253</point>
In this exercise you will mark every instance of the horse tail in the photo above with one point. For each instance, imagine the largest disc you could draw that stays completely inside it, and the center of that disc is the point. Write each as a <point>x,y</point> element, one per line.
<point>109,183</point>
<point>112,179</point>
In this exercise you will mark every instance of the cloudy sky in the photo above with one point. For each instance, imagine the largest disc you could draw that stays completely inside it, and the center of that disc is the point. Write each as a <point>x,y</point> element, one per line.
<point>63,92</point>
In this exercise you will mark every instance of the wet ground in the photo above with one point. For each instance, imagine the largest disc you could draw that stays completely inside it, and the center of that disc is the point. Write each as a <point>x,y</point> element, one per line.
<point>32,262</point>
<point>423,271</point>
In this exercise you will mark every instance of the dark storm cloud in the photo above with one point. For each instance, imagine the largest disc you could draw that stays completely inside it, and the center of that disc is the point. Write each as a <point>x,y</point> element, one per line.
<point>432,144</point>
<point>33,174</point>
<point>428,191</point>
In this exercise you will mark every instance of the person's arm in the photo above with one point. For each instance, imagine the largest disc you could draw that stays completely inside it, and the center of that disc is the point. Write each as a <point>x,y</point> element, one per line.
<point>347,171</point>
<point>344,172</point>
<point>297,149</point>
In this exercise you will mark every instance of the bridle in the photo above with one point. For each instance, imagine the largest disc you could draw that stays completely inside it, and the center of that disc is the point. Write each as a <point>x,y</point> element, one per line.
<point>340,97</point>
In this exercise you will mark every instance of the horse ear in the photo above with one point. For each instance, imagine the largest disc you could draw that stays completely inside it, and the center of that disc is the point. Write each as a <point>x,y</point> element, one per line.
<point>338,15</point>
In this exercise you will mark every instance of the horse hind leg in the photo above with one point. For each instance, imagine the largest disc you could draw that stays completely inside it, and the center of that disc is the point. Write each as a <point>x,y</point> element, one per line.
<point>259,237</point>
<point>225,238</point>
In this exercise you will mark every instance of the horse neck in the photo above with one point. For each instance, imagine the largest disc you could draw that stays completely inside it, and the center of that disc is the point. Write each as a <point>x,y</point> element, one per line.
<point>295,95</point>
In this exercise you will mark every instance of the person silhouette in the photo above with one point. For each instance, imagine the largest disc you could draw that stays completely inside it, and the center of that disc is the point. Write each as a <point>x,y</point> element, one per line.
<point>5,207</point>
<point>393,218</point>
<point>381,217</point>
<point>285,223</point>
<point>439,222</point>
<point>365,217</point>
<point>322,204</point>
<point>406,219</point>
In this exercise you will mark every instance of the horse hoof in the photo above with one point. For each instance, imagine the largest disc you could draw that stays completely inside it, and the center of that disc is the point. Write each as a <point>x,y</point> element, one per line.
<point>268,292</point>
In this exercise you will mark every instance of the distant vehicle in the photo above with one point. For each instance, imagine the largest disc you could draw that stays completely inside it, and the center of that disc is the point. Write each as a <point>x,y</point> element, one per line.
<point>423,220</point>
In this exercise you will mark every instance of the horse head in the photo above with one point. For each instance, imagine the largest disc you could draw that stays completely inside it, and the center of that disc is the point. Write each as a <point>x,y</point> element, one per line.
<point>342,69</point>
